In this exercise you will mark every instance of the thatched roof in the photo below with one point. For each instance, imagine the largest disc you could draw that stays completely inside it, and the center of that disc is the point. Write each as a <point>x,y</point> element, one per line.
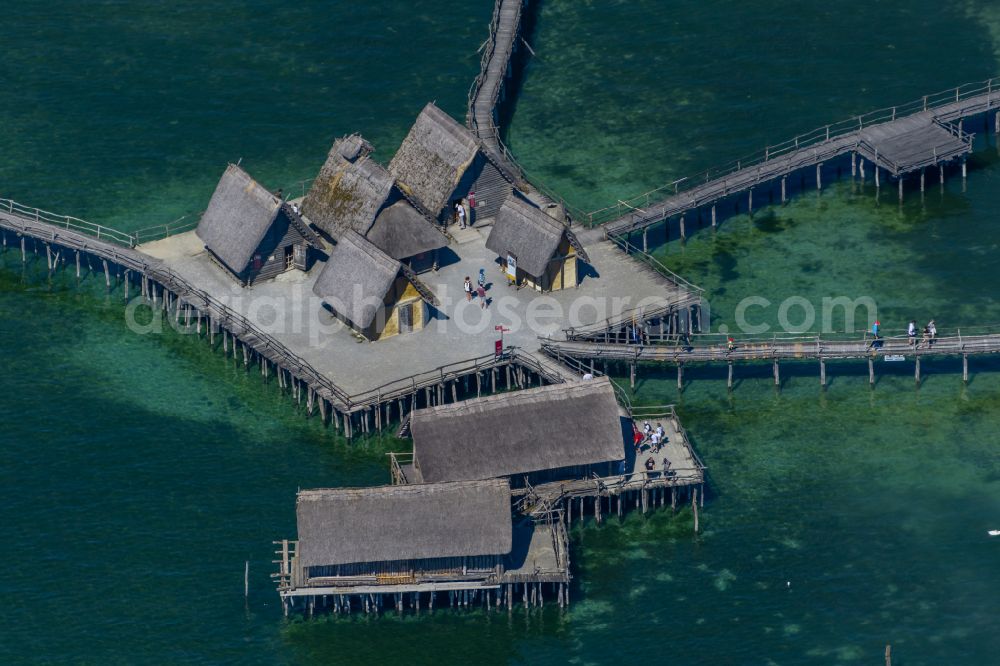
<point>432,158</point>
<point>237,218</point>
<point>350,189</point>
<point>357,278</point>
<point>409,522</point>
<point>528,233</point>
<point>517,433</point>
<point>401,232</point>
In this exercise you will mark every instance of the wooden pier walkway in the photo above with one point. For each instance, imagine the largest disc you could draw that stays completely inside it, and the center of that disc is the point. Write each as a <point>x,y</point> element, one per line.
<point>777,349</point>
<point>487,90</point>
<point>899,140</point>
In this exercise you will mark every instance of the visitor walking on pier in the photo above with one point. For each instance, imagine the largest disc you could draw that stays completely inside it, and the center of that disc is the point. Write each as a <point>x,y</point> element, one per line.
<point>876,342</point>
<point>931,331</point>
<point>911,332</point>
<point>468,288</point>
<point>481,293</point>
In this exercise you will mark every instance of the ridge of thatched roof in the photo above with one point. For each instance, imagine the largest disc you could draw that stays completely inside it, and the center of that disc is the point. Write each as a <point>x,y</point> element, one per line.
<point>350,189</point>
<point>402,232</point>
<point>407,522</point>
<point>432,158</point>
<point>237,218</point>
<point>526,431</point>
<point>527,232</point>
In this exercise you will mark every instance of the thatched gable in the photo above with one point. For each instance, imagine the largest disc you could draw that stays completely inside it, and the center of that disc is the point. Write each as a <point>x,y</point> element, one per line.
<point>530,234</point>
<point>415,522</point>
<point>238,217</point>
<point>402,232</point>
<point>357,278</point>
<point>350,189</point>
<point>545,428</point>
<point>433,157</point>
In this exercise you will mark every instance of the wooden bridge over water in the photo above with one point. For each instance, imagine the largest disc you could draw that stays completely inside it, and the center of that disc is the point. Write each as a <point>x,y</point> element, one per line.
<point>899,141</point>
<point>715,349</point>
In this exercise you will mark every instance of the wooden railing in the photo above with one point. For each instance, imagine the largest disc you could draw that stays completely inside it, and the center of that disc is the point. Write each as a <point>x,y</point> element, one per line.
<point>816,137</point>
<point>656,265</point>
<point>68,222</point>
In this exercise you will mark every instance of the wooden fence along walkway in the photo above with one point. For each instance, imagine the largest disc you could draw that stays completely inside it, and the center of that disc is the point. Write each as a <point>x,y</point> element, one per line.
<point>709,349</point>
<point>68,240</point>
<point>900,140</point>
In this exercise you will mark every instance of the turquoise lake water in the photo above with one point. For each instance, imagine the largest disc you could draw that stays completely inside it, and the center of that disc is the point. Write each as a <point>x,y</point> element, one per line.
<point>139,473</point>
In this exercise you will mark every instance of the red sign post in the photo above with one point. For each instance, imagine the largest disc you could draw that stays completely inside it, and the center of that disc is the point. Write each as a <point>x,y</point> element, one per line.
<point>498,348</point>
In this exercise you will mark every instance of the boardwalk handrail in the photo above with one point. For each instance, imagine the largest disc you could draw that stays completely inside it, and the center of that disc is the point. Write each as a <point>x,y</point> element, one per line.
<point>161,231</point>
<point>656,265</point>
<point>814,137</point>
<point>68,222</point>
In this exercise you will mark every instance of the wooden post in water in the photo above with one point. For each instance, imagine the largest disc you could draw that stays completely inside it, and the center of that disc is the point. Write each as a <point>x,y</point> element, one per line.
<point>683,232</point>
<point>713,215</point>
<point>822,372</point>
<point>941,173</point>
<point>729,383</point>
<point>750,203</point>
<point>871,371</point>
<point>777,375</point>
<point>694,507</point>
<point>900,189</point>
<point>632,375</point>
<point>916,371</point>
<point>854,164</point>
<point>965,368</point>
<point>964,169</point>
<point>861,167</point>
<point>819,176</point>
<point>877,184</point>
<point>680,376</point>
<point>784,182</point>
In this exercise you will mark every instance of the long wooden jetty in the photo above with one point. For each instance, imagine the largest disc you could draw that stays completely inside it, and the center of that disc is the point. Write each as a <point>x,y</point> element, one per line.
<point>899,140</point>
<point>714,349</point>
<point>487,90</point>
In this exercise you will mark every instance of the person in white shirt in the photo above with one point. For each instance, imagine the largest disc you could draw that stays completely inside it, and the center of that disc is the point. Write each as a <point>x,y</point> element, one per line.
<point>460,211</point>
<point>654,440</point>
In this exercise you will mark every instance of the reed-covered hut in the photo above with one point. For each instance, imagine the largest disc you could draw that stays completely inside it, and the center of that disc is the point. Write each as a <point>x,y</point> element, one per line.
<point>552,433</point>
<point>353,191</point>
<point>423,534</point>
<point>370,291</point>
<point>252,234</point>
<point>441,163</point>
<point>535,249</point>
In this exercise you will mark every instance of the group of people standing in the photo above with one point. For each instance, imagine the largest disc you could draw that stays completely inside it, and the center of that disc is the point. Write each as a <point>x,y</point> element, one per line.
<point>478,290</point>
<point>928,335</point>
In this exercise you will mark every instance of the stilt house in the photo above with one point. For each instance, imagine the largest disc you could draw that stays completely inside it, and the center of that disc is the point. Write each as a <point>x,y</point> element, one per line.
<point>417,535</point>
<point>353,191</point>
<point>440,162</point>
<point>535,249</point>
<point>251,233</point>
<point>552,433</point>
<point>370,291</point>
